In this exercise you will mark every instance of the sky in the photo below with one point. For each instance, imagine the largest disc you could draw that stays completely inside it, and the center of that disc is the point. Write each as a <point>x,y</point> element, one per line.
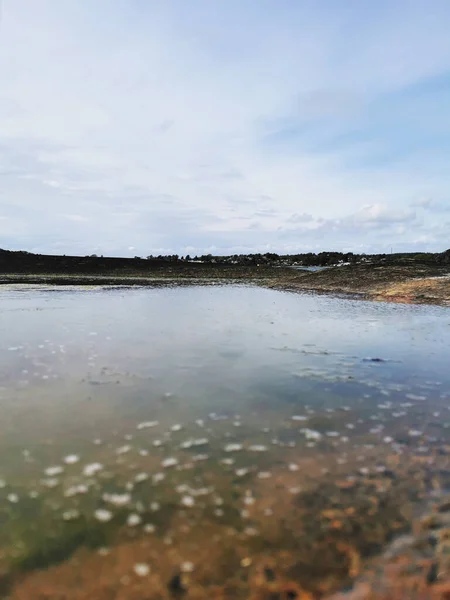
<point>139,127</point>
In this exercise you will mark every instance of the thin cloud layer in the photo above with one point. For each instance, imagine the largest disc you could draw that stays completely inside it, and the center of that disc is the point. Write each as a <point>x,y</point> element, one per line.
<point>136,128</point>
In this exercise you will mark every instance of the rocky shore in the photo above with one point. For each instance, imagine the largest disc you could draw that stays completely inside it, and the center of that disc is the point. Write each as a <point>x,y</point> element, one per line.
<point>412,283</point>
<point>408,283</point>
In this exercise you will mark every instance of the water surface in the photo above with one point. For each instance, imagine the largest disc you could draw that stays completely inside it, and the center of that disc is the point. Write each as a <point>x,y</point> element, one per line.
<point>187,415</point>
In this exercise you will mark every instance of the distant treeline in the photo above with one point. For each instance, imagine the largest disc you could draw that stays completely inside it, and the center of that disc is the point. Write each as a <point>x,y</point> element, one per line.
<point>26,262</point>
<point>310,259</point>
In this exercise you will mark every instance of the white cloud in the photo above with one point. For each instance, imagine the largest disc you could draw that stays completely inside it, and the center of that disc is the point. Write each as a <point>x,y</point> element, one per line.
<point>226,124</point>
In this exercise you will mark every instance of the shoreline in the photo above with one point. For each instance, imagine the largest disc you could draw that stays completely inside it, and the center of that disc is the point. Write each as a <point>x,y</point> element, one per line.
<point>414,284</point>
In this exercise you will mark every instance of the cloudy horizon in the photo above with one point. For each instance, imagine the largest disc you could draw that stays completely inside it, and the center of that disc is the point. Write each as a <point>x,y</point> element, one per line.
<point>224,126</point>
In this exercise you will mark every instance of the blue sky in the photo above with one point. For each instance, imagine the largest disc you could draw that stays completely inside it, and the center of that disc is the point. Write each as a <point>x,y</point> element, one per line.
<point>136,127</point>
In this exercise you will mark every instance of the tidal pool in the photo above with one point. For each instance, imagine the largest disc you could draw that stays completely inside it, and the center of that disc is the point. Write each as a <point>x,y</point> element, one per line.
<point>228,440</point>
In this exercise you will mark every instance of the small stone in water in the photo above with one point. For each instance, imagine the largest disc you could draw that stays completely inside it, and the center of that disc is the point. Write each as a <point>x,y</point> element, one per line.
<point>14,498</point>
<point>117,499</point>
<point>258,448</point>
<point>169,462</point>
<point>149,528</point>
<point>92,469</point>
<point>70,515</point>
<point>75,489</point>
<point>241,472</point>
<point>141,569</point>
<point>187,567</point>
<point>147,424</point>
<point>187,501</point>
<point>51,471</point>
<point>51,482</point>
<point>71,459</point>
<point>311,434</point>
<point>233,447</point>
<point>103,515</point>
<point>133,520</point>
<point>199,457</point>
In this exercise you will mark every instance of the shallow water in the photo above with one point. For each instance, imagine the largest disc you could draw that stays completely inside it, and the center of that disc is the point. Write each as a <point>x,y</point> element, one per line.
<point>225,412</point>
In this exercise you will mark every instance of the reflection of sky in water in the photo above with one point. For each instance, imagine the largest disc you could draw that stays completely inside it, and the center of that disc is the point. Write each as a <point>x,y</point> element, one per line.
<point>223,344</point>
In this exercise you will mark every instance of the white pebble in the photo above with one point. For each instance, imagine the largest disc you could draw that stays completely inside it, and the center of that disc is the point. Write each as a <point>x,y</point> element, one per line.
<point>117,499</point>
<point>52,471</point>
<point>241,472</point>
<point>141,569</point>
<point>75,490</point>
<point>311,434</point>
<point>103,515</point>
<point>187,501</point>
<point>92,469</point>
<point>233,447</point>
<point>133,520</point>
<point>71,459</point>
<point>414,432</point>
<point>147,424</point>
<point>51,482</point>
<point>71,515</point>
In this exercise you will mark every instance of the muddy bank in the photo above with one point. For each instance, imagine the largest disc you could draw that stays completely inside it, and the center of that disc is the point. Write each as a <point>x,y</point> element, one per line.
<point>408,283</point>
<point>405,282</point>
